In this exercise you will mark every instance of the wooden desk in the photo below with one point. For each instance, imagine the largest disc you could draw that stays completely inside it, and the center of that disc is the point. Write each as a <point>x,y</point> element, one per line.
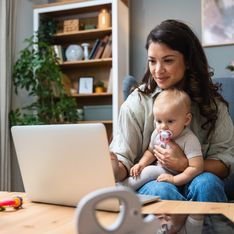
<point>43,218</point>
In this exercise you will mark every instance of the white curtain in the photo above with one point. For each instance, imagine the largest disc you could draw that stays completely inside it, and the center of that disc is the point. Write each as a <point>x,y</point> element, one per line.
<point>7,51</point>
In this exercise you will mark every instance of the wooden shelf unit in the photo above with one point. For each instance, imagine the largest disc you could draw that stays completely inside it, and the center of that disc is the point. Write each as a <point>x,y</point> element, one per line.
<point>99,69</point>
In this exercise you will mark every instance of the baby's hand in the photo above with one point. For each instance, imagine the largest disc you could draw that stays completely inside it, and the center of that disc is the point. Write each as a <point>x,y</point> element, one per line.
<point>136,170</point>
<point>166,178</point>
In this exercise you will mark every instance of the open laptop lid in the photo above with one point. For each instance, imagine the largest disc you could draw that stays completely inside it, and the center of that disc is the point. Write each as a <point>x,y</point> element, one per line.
<point>62,163</point>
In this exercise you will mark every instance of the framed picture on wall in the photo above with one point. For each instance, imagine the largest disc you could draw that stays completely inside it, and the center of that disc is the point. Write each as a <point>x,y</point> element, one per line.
<point>217,22</point>
<point>85,85</point>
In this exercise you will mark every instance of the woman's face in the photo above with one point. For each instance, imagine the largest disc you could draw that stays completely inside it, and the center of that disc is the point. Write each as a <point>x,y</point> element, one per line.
<point>167,66</point>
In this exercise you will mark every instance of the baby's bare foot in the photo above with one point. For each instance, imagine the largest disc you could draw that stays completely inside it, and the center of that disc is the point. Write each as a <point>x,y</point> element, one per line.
<point>172,223</point>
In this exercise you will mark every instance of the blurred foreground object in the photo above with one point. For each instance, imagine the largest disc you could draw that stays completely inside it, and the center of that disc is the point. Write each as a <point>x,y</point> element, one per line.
<point>129,219</point>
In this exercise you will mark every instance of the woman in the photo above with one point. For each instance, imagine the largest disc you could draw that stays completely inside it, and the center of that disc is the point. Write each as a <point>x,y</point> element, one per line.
<point>176,59</point>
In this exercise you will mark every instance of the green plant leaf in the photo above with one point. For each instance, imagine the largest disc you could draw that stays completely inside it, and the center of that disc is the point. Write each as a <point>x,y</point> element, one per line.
<point>38,72</point>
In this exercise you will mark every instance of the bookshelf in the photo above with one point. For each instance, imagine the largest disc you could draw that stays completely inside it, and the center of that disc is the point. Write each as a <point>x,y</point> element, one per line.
<point>116,64</point>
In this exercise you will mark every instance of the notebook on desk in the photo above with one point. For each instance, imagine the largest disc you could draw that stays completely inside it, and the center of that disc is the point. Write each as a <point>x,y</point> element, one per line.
<point>60,164</point>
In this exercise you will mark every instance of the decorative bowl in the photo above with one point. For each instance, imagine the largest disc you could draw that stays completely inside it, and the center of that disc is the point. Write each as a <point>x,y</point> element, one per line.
<point>74,52</point>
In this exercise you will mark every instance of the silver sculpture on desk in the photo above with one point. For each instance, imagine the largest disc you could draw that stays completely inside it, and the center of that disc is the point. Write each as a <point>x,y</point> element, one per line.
<point>129,219</point>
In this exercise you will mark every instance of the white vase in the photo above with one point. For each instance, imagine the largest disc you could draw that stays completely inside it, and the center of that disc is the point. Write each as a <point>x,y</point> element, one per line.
<point>86,50</point>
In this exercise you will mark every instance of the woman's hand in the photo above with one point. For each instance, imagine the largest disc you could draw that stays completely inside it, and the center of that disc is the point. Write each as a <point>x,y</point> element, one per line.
<point>172,157</point>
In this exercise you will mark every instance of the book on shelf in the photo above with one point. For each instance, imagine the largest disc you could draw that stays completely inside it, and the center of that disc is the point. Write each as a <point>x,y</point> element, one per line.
<point>94,48</point>
<point>110,85</point>
<point>107,53</point>
<point>101,47</point>
<point>58,50</point>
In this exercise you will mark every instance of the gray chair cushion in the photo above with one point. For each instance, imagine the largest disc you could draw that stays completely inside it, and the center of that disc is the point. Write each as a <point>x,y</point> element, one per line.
<point>227,92</point>
<point>129,82</point>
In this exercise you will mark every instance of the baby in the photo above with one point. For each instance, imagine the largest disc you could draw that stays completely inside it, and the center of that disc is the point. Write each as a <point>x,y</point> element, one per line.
<point>172,115</point>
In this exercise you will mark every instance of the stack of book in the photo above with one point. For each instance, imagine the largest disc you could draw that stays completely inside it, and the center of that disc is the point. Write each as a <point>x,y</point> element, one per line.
<point>107,53</point>
<point>102,48</point>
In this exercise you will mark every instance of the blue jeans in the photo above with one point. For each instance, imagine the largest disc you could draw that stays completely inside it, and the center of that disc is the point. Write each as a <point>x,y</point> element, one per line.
<point>205,187</point>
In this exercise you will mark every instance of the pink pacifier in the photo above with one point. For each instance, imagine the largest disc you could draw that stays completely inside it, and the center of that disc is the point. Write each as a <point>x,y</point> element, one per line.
<point>164,137</point>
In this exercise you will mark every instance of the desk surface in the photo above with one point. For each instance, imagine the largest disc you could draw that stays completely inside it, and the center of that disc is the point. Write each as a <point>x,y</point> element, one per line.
<point>43,218</point>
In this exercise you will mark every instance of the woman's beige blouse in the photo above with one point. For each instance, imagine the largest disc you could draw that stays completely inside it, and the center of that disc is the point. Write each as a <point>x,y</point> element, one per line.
<point>136,123</point>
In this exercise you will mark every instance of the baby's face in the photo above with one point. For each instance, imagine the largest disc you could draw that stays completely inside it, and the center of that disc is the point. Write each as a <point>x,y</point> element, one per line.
<point>173,119</point>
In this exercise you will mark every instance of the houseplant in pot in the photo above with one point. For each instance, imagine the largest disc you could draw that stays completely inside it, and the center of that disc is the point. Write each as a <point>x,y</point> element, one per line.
<point>37,71</point>
<point>99,87</point>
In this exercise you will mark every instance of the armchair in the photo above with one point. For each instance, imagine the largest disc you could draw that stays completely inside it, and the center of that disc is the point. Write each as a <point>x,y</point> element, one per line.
<point>129,83</point>
<point>227,92</point>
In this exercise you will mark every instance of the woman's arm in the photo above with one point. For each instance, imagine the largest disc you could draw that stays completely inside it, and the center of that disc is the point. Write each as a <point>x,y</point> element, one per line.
<point>178,161</point>
<point>220,156</point>
<point>216,167</point>
<point>175,159</point>
<point>120,171</point>
<point>218,149</point>
<point>196,166</point>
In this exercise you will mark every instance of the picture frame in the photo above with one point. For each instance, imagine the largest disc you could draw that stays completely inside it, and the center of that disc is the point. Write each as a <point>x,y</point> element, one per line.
<point>217,22</point>
<point>85,85</point>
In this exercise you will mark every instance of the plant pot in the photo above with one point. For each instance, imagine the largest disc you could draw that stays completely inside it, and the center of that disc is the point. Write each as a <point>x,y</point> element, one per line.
<point>99,90</point>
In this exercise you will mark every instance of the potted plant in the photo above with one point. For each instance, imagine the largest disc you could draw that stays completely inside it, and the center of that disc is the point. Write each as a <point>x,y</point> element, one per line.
<point>99,87</point>
<point>37,71</point>
<point>230,66</point>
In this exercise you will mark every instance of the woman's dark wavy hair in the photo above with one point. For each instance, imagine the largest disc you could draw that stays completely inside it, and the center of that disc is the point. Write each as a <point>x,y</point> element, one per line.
<point>197,81</point>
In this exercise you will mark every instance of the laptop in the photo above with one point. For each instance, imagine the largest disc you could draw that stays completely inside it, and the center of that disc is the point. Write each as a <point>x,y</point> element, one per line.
<point>62,163</point>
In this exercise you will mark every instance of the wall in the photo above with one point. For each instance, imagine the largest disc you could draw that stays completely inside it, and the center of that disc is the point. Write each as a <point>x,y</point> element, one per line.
<point>146,14</point>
